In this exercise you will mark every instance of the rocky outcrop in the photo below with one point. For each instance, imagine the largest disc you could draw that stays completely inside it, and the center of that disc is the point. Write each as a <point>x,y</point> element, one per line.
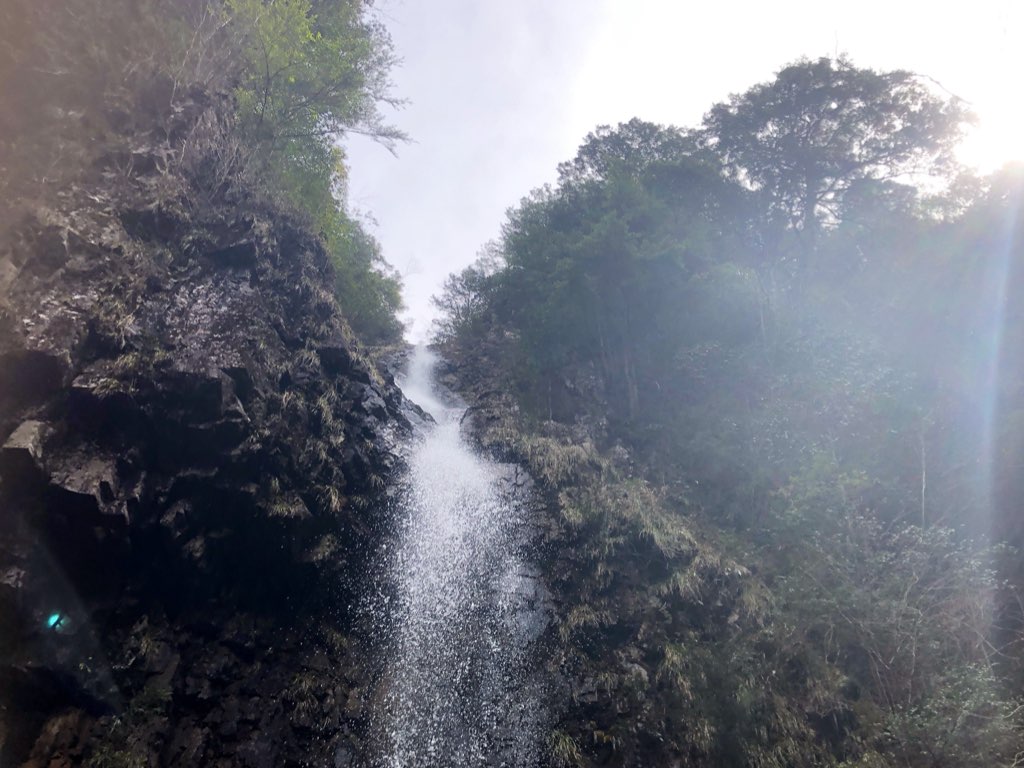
<point>193,456</point>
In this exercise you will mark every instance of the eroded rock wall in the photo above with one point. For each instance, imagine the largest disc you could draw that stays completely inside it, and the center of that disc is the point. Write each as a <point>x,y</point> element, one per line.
<point>191,478</point>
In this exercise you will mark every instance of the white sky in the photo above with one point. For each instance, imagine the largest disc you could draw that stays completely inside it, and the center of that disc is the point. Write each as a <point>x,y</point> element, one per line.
<point>501,91</point>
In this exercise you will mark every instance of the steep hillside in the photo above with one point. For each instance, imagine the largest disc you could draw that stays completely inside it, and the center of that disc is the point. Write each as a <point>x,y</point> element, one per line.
<point>194,448</point>
<point>680,640</point>
<point>773,396</point>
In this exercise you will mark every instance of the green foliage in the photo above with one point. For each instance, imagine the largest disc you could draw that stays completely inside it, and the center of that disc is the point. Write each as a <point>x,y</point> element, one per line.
<point>313,72</point>
<point>368,289</point>
<point>904,611</point>
<point>807,137</point>
<point>757,384</point>
<point>629,227</point>
<point>302,73</point>
<point>465,301</point>
<point>631,148</point>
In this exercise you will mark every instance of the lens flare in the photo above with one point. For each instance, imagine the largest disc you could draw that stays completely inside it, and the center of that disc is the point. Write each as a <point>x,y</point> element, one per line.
<point>999,284</point>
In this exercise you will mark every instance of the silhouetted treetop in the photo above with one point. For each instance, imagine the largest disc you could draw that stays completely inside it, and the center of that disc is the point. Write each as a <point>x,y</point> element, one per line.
<point>803,139</point>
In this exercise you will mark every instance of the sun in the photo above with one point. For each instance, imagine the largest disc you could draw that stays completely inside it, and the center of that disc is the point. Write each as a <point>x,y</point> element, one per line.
<point>996,140</point>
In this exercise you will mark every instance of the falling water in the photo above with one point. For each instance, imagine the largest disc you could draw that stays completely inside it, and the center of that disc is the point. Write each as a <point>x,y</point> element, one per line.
<point>466,610</point>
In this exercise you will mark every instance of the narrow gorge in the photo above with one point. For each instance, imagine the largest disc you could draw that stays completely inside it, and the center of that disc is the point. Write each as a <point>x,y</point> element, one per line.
<point>711,458</point>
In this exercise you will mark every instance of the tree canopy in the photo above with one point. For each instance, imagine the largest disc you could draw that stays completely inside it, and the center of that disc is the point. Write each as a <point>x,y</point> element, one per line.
<point>804,139</point>
<point>826,421</point>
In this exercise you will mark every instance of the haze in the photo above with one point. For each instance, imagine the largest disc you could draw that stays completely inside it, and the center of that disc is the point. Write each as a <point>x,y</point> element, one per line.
<point>500,93</point>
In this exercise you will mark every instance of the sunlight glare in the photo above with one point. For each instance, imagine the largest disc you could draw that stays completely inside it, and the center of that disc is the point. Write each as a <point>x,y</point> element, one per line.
<point>997,139</point>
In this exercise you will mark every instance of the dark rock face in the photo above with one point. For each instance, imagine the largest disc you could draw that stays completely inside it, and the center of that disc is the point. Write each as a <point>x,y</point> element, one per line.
<point>193,452</point>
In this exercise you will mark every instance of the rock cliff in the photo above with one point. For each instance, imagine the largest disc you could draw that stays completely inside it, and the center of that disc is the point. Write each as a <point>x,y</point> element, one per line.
<point>193,463</point>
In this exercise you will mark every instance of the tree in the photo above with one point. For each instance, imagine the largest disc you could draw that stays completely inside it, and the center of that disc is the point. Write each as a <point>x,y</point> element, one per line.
<point>368,289</point>
<point>806,138</point>
<point>311,71</point>
<point>629,148</point>
<point>315,69</point>
<point>599,269</point>
<point>466,297</point>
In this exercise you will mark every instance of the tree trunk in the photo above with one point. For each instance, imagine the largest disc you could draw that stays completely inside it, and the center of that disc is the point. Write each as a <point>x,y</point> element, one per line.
<point>629,375</point>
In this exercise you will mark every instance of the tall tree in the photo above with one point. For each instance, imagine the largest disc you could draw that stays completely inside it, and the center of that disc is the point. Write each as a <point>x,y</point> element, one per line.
<point>598,268</point>
<point>807,137</point>
<point>629,148</point>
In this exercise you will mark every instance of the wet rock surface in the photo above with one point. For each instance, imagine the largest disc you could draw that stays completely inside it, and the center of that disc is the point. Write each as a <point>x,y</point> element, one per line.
<point>193,452</point>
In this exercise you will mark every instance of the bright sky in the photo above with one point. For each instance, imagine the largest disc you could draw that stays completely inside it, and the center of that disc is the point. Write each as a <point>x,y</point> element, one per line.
<point>501,91</point>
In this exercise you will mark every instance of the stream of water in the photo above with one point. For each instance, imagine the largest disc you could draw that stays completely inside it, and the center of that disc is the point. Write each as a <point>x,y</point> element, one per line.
<point>466,608</point>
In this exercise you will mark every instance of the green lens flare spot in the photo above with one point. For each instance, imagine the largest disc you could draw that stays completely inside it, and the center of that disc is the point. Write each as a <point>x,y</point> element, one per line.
<point>54,620</point>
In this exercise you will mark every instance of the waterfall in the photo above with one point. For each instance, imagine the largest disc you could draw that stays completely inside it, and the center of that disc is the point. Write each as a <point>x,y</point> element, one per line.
<point>461,683</point>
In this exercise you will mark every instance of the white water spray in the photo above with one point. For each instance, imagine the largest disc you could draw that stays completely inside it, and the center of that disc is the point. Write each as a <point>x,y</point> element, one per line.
<point>460,684</point>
